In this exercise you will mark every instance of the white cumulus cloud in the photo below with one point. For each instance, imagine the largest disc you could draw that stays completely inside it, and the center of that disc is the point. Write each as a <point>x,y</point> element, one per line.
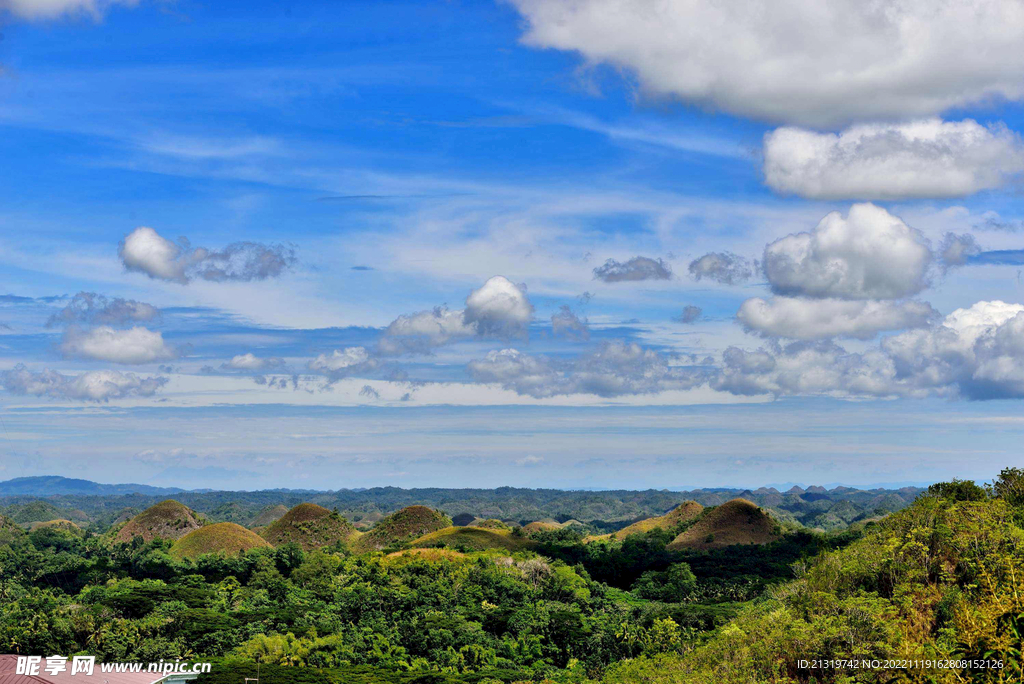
<point>975,353</point>
<point>344,362</point>
<point>146,251</point>
<point>802,318</point>
<point>978,350</point>
<point>422,331</point>
<point>499,307</point>
<point>101,385</point>
<point>803,62</point>
<point>132,346</point>
<point>868,254</point>
<point>929,158</point>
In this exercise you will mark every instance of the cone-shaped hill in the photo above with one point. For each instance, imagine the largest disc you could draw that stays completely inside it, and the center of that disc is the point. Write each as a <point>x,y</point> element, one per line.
<point>310,526</point>
<point>541,526</point>
<point>227,538</point>
<point>167,519</point>
<point>688,510</point>
<point>404,525</point>
<point>268,515</point>
<point>473,539</point>
<point>735,522</point>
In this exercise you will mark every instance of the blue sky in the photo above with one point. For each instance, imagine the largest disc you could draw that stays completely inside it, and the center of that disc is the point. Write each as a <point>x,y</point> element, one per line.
<point>518,243</point>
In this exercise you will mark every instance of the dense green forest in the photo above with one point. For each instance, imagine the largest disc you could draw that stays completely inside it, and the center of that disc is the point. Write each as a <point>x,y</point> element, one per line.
<point>940,580</point>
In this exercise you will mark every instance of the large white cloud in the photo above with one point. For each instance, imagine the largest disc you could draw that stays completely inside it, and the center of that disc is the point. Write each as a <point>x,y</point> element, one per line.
<point>975,353</point>
<point>979,350</point>
<point>806,62</point>
<point>101,385</point>
<point>929,158</point>
<point>146,251</point>
<point>868,254</point>
<point>802,318</point>
<point>34,10</point>
<point>808,368</point>
<point>132,346</point>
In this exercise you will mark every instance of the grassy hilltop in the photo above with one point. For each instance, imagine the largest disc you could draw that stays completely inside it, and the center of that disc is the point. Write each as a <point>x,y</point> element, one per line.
<point>684,512</point>
<point>473,539</point>
<point>403,526</point>
<point>734,522</point>
<point>226,538</point>
<point>166,520</point>
<point>310,526</point>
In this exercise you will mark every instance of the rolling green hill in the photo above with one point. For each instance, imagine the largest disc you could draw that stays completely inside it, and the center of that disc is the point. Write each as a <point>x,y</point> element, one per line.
<point>227,538</point>
<point>684,512</point>
<point>310,526</point>
<point>472,539</point>
<point>735,522</point>
<point>167,520</point>
<point>542,526</point>
<point>405,525</point>
<point>35,511</point>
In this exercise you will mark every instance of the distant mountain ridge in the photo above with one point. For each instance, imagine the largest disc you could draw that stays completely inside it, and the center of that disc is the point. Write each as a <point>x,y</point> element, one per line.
<point>99,506</point>
<point>55,485</point>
